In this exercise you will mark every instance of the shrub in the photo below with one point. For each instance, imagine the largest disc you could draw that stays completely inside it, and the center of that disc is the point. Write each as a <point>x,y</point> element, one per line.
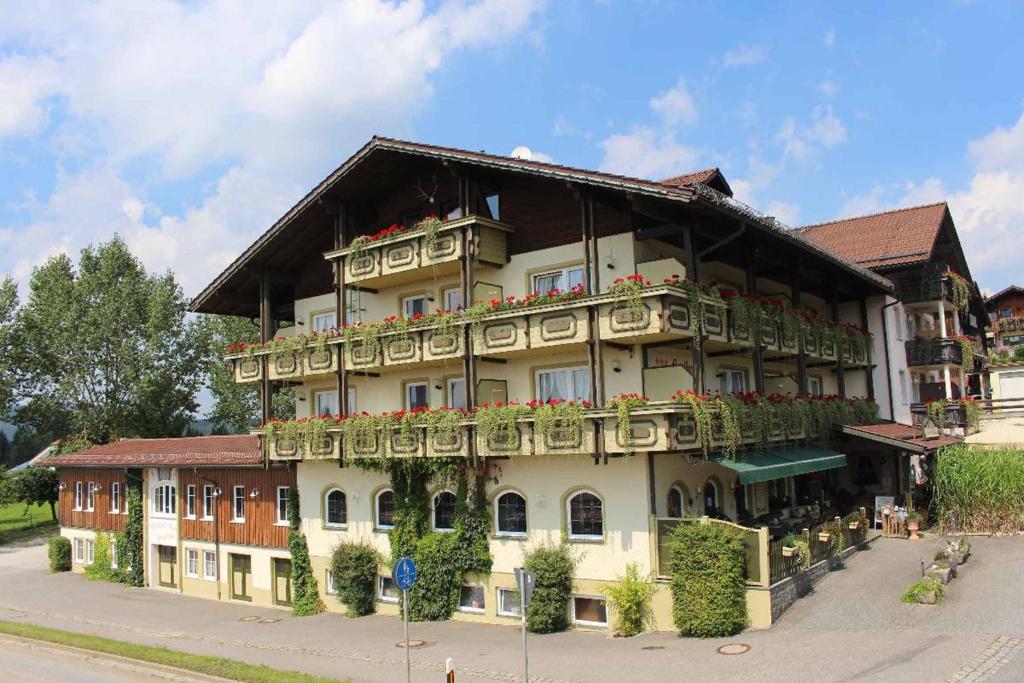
<point>60,554</point>
<point>552,567</point>
<point>979,490</point>
<point>435,595</point>
<point>708,590</point>
<point>631,600</point>
<point>922,587</point>
<point>354,568</point>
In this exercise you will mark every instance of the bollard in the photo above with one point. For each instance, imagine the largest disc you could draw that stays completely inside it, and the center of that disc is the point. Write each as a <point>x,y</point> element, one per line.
<point>449,670</point>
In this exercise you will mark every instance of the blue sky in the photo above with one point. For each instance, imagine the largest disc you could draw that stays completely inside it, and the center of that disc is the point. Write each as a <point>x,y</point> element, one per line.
<point>189,128</point>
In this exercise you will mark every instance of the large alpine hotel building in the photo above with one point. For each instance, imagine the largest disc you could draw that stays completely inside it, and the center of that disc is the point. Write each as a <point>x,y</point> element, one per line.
<point>215,507</point>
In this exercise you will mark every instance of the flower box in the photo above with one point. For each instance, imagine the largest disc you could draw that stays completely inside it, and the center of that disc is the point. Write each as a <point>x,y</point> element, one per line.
<point>824,536</point>
<point>438,346</point>
<point>715,323</point>
<point>559,327</point>
<point>646,433</point>
<point>504,444</point>
<point>248,369</point>
<point>360,356</point>
<point>501,336</point>
<point>854,526</point>
<point>789,551</point>
<point>324,361</point>
<point>286,365</point>
<point>402,349</point>
<point>565,440</point>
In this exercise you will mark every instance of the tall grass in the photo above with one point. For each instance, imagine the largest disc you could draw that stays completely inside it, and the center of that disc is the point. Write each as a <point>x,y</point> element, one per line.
<point>977,490</point>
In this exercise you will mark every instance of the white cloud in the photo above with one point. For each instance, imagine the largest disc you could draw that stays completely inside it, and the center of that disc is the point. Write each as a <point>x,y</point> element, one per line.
<point>675,105</point>
<point>266,96</point>
<point>824,130</point>
<point>786,212</point>
<point>1000,150</point>
<point>828,88</point>
<point>830,39</point>
<point>647,153</point>
<point>744,55</point>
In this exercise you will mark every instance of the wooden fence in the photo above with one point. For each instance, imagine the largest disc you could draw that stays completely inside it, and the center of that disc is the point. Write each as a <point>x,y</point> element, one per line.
<point>783,567</point>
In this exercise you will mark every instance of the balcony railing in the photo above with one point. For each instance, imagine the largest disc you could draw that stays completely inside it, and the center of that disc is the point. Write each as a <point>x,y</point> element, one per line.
<point>924,288</point>
<point>668,427</point>
<point>398,259</point>
<point>933,351</point>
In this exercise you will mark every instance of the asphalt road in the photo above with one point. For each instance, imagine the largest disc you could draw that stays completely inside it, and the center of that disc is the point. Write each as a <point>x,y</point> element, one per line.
<point>30,661</point>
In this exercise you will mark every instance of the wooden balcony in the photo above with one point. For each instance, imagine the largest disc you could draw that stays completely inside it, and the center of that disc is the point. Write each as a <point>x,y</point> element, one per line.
<point>933,352</point>
<point>400,259</point>
<point>293,365</point>
<point>423,347</point>
<point>657,428</point>
<point>923,288</point>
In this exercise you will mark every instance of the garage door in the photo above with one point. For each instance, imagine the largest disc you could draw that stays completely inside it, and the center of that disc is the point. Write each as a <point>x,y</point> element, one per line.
<point>1011,384</point>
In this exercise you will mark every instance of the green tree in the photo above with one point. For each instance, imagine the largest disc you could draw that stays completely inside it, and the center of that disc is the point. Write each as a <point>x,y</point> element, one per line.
<point>112,342</point>
<point>33,486</point>
<point>8,366</point>
<point>5,450</point>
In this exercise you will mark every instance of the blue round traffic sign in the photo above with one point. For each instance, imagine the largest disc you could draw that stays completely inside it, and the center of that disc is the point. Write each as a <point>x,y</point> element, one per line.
<point>404,573</point>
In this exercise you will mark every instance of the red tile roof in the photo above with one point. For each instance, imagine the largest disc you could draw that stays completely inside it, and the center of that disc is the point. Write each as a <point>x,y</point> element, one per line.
<point>882,240</point>
<point>711,177</point>
<point>194,451</point>
<point>908,434</point>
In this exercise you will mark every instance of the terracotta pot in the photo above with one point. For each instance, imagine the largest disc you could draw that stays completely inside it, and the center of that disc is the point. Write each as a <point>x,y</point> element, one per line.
<point>913,527</point>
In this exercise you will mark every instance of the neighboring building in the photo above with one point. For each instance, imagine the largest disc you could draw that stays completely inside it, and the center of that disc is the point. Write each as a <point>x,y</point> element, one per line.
<point>918,249</point>
<point>514,229</point>
<point>1006,313</point>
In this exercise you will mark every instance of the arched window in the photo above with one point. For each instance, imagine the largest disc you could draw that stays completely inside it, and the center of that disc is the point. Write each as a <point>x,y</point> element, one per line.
<point>711,499</point>
<point>510,514</point>
<point>444,511</point>
<point>676,502</point>
<point>586,516</point>
<point>335,508</point>
<point>386,509</point>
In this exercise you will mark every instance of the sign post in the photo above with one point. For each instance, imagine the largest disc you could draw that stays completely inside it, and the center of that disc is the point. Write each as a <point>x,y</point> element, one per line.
<point>404,575</point>
<point>524,582</point>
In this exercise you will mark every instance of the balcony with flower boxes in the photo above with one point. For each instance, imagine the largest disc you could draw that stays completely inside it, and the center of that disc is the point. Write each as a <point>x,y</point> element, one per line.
<point>397,255</point>
<point>283,360</point>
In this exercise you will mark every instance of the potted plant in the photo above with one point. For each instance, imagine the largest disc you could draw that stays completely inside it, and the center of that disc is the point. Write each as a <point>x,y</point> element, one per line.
<point>789,548</point>
<point>914,524</point>
<point>824,535</point>
<point>926,591</point>
<point>942,571</point>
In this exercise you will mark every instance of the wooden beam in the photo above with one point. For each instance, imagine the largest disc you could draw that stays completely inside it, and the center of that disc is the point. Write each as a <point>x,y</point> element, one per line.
<point>752,289</point>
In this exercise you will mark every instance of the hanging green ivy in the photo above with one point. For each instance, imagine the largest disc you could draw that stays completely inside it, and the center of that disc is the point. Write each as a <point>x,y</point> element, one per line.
<point>630,290</point>
<point>497,422</point>
<point>554,419</point>
<point>101,568</point>
<point>703,417</point>
<point>623,405</point>
<point>129,547</point>
<point>305,593</point>
<point>732,411</point>
<point>961,291</point>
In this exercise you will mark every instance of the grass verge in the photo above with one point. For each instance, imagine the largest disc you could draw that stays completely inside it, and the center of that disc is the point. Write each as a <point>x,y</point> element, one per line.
<point>18,523</point>
<point>204,664</point>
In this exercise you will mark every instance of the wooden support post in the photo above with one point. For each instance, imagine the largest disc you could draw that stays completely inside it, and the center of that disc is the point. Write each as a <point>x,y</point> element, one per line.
<point>801,357</point>
<point>840,362</point>
<point>758,351</point>
<point>693,273</point>
<point>266,334</point>
<point>869,374</point>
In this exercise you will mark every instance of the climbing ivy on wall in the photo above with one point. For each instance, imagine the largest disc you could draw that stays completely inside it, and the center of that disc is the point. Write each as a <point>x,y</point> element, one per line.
<point>129,544</point>
<point>305,592</point>
<point>101,569</point>
<point>442,559</point>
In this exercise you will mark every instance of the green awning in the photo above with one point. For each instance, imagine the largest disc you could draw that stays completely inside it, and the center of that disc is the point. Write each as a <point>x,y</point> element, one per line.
<point>776,463</point>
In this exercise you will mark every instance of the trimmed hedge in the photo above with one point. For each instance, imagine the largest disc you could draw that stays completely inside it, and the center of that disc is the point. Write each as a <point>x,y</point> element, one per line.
<point>354,568</point>
<point>708,588</point>
<point>552,567</point>
<point>60,554</point>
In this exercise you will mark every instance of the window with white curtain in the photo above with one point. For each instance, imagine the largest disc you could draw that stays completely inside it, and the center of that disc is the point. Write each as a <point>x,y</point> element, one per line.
<point>562,279</point>
<point>565,384</point>
<point>325,402</point>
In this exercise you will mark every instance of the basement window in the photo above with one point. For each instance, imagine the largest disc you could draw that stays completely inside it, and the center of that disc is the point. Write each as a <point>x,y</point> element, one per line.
<point>589,611</point>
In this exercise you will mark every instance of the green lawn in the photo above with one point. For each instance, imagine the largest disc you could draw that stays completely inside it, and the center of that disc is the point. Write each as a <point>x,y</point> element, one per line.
<point>16,525</point>
<point>212,666</point>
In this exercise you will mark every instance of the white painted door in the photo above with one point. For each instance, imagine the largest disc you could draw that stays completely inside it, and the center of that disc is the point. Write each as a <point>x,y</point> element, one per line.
<point>1011,384</point>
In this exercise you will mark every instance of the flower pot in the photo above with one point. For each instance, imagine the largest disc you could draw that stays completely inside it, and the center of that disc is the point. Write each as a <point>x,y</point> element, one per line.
<point>928,598</point>
<point>788,551</point>
<point>941,574</point>
<point>824,536</point>
<point>913,527</point>
<point>854,525</point>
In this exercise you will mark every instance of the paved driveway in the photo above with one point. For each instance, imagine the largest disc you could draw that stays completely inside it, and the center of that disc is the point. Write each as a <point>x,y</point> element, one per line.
<point>853,627</point>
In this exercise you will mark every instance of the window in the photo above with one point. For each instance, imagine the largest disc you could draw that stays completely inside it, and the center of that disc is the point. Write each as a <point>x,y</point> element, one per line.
<point>471,599</point>
<point>209,565</point>
<point>238,504</point>
<point>566,384</point>
<point>732,381</point>
<point>1005,312</point>
<point>90,496</point>
<point>814,386</point>
<point>326,403</point>
<point>79,551</point>
<point>78,495</point>
<point>992,316</point>
<point>336,509</point>
<point>115,497</point>
<point>904,393</point>
<point>282,505</point>
<point>165,500</point>
<point>456,393</point>
<point>510,514</point>
<point>589,611</point>
<point>563,279</point>
<point>192,563</point>
<point>411,305</point>
<point>899,323</point>
<point>711,499</point>
<point>387,591</point>
<point>452,297</point>
<point>385,509</point>
<point>509,602</point>
<point>329,582</point>
<point>207,501</point>
<point>324,322</point>
<point>353,306</point>
<point>113,553</point>
<point>190,501</point>
<point>586,516</point>
<point>444,511</point>
<point>676,502</point>
<point>493,202</point>
<point>416,395</point>
<point>90,551</point>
